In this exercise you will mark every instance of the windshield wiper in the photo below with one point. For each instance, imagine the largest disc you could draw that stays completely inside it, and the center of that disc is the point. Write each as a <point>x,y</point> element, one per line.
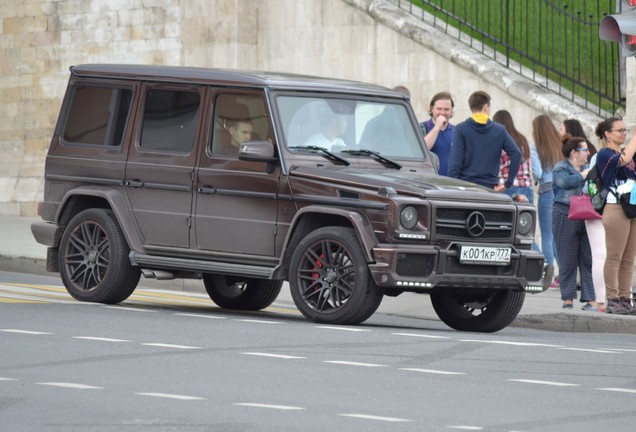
<point>325,153</point>
<point>375,156</point>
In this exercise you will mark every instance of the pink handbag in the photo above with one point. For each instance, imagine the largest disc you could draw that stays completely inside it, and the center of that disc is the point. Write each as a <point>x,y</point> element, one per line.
<point>581,208</point>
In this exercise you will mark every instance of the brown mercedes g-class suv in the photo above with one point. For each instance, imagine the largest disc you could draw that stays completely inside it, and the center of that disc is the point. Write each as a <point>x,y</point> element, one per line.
<point>248,179</point>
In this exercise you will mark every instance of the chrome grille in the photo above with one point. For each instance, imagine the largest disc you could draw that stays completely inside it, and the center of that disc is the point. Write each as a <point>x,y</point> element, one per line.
<point>451,223</point>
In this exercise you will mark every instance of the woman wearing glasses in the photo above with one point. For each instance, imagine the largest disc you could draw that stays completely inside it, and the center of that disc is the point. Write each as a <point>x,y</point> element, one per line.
<point>594,227</point>
<point>616,163</point>
<point>570,236</point>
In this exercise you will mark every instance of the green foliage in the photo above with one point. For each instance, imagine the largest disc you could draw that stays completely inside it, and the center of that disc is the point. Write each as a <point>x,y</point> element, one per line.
<point>555,40</point>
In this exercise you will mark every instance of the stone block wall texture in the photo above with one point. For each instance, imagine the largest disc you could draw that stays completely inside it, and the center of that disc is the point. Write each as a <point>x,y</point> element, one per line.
<point>364,40</point>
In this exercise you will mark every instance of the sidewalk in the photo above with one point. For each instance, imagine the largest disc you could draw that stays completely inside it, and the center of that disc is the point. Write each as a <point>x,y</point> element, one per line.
<point>20,253</point>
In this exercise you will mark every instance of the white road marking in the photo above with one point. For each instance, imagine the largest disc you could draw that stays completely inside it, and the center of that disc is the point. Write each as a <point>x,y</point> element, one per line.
<point>421,335</point>
<point>350,363</point>
<point>617,389</point>
<point>433,371</point>
<point>280,356</point>
<point>201,316</point>
<point>552,383</point>
<point>101,339</point>
<point>277,407</point>
<point>619,349</point>
<point>351,329</point>
<point>257,321</point>
<point>129,309</point>
<point>171,396</point>
<point>592,350</point>
<point>70,385</point>
<point>460,427</point>
<point>500,342</point>
<point>7,379</point>
<point>162,345</point>
<point>29,332</point>
<point>377,418</point>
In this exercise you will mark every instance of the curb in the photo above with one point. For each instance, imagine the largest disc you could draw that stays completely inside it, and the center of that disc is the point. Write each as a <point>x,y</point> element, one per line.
<point>578,323</point>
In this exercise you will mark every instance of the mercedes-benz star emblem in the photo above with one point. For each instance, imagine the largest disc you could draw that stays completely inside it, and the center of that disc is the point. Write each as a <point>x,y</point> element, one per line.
<point>475,224</point>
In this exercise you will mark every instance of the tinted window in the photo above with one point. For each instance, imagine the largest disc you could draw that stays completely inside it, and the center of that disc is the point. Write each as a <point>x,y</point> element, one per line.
<point>98,115</point>
<point>170,119</point>
<point>237,119</point>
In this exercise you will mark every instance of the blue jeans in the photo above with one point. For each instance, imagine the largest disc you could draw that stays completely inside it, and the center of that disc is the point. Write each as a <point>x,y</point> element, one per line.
<point>548,248</point>
<point>521,190</point>
<point>529,194</point>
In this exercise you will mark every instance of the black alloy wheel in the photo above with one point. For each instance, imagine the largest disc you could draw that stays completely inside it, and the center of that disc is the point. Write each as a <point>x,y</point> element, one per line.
<point>94,263</point>
<point>330,280</point>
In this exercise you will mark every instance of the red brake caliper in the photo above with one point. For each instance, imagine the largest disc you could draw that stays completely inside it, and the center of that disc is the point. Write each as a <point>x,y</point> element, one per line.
<point>317,265</point>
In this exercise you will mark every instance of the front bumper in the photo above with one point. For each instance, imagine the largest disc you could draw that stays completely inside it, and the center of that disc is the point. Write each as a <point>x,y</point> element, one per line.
<point>424,268</point>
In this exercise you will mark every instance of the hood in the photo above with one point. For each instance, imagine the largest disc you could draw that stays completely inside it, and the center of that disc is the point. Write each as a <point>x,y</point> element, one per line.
<point>430,186</point>
<point>479,127</point>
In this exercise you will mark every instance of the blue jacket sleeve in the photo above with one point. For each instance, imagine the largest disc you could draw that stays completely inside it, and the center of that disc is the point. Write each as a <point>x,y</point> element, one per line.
<point>537,169</point>
<point>456,154</point>
<point>566,178</point>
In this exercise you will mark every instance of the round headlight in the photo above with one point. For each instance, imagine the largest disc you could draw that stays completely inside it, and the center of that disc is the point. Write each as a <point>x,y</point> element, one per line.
<point>408,217</point>
<point>525,223</point>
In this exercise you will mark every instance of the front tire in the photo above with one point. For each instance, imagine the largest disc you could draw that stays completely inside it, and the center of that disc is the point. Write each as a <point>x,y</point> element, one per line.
<point>242,293</point>
<point>485,311</point>
<point>94,263</point>
<point>330,280</point>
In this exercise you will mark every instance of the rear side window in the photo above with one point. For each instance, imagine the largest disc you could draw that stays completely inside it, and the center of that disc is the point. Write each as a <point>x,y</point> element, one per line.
<point>98,115</point>
<point>170,120</point>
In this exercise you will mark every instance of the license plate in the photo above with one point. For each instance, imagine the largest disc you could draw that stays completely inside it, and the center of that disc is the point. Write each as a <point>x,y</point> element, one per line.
<point>484,255</point>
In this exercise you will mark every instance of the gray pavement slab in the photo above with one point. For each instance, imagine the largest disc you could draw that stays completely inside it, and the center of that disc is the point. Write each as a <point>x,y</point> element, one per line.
<point>19,252</point>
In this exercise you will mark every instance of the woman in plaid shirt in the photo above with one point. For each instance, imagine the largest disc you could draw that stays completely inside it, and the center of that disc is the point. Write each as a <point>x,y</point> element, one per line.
<point>522,186</point>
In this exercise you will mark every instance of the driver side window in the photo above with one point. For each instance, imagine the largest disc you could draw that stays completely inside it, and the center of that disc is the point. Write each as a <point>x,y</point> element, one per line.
<point>238,119</point>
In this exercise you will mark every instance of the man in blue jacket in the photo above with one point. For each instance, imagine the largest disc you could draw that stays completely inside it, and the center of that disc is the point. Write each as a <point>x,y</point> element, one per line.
<point>477,146</point>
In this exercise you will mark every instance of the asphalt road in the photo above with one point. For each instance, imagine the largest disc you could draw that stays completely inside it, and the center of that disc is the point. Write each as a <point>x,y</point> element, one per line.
<point>173,362</point>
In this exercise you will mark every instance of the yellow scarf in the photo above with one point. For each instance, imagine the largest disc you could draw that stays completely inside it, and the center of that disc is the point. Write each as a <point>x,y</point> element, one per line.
<point>481,118</point>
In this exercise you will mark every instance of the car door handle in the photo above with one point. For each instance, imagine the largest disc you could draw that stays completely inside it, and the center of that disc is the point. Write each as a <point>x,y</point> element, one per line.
<point>136,183</point>
<point>206,190</point>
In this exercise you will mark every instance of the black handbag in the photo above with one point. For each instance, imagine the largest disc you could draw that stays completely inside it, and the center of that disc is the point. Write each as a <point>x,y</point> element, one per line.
<point>628,209</point>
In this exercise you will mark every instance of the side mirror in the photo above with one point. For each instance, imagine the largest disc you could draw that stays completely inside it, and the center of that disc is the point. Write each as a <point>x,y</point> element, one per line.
<point>435,160</point>
<point>257,151</point>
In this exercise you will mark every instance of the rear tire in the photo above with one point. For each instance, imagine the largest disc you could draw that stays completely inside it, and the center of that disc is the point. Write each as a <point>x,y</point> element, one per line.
<point>93,255</point>
<point>471,310</point>
<point>237,292</point>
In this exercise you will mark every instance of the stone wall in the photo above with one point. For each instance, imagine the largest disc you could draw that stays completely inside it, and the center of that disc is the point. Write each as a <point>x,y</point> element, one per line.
<point>365,40</point>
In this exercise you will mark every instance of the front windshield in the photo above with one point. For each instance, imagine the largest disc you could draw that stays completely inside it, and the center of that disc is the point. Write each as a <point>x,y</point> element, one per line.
<point>338,124</point>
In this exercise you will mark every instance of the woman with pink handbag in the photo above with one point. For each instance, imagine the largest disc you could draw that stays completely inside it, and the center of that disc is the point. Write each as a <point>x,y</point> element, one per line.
<point>570,236</point>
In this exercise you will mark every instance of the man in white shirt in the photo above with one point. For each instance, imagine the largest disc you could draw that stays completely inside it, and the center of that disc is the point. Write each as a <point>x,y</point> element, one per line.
<point>333,127</point>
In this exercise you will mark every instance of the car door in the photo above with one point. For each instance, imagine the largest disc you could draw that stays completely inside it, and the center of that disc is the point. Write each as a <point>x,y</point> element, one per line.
<point>160,168</point>
<point>236,201</point>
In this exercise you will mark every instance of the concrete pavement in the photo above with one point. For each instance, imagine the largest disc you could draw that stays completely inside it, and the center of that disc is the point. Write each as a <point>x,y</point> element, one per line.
<point>20,253</point>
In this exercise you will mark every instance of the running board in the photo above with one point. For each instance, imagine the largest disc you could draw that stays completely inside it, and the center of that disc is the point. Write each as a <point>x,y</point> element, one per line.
<point>167,263</point>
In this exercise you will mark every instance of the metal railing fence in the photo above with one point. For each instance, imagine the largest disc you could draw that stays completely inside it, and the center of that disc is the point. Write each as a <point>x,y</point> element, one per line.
<point>554,44</point>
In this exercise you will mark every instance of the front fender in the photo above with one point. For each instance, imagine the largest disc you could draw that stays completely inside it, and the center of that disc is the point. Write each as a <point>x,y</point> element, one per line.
<point>358,221</point>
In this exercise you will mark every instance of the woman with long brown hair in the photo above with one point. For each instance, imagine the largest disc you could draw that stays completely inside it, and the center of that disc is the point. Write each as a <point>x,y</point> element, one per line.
<point>545,154</point>
<point>522,184</point>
